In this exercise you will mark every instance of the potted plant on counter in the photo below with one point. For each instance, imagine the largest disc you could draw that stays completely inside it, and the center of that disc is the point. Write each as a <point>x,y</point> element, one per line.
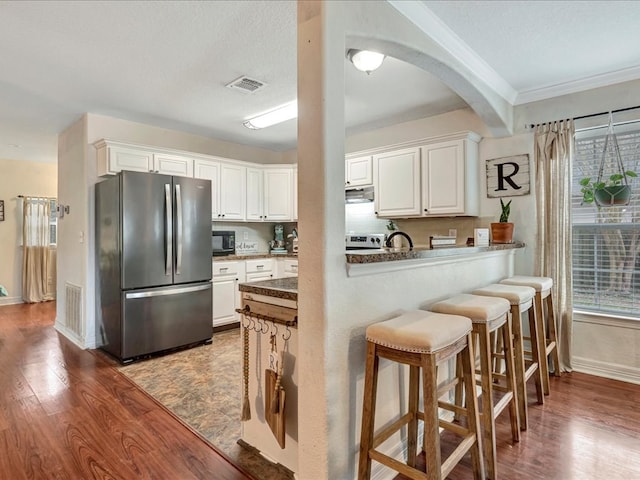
<point>502,232</point>
<point>614,190</point>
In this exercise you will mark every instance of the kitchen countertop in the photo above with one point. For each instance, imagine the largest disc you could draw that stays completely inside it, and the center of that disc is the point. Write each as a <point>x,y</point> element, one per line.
<point>422,252</point>
<point>251,256</point>
<point>286,288</point>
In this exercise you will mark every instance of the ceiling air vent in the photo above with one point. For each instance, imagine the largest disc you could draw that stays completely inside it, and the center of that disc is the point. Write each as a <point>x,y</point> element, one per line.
<point>246,85</point>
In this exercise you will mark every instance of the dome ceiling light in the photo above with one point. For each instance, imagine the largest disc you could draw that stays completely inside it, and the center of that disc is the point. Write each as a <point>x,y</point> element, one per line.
<point>365,60</point>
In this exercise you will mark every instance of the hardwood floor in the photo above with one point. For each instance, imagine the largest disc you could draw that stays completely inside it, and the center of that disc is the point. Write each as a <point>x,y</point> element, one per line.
<point>66,413</point>
<point>587,429</point>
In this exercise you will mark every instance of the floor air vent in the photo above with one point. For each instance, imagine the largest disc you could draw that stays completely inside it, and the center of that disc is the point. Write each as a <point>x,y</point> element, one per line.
<point>73,304</point>
<point>246,85</point>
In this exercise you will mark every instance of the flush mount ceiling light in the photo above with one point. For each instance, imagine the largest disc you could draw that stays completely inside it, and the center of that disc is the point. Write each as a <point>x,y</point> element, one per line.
<point>279,115</point>
<point>365,60</point>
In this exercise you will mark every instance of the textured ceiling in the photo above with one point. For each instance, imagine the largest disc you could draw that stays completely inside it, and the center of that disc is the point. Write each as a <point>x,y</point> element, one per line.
<point>167,63</point>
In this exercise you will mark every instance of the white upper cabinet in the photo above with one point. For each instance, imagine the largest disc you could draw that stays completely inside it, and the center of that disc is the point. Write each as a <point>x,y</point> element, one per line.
<point>358,171</point>
<point>173,164</point>
<point>114,157</point>
<point>396,176</point>
<point>232,191</point>
<point>209,170</point>
<point>255,199</point>
<point>295,193</point>
<point>278,194</point>
<point>450,178</point>
<point>228,185</point>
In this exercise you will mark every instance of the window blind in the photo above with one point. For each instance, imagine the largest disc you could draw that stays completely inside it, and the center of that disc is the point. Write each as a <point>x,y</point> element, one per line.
<point>606,240</point>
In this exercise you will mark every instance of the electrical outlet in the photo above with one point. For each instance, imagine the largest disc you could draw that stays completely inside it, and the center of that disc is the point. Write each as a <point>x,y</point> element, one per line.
<point>246,235</point>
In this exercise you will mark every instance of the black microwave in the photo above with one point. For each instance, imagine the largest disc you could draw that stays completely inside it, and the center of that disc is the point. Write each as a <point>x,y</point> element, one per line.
<point>223,242</point>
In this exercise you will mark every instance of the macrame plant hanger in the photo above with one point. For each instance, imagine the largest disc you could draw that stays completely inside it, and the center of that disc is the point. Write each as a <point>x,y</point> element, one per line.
<point>617,191</point>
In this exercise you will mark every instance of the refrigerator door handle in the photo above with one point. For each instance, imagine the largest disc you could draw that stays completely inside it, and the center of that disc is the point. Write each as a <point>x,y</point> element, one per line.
<point>168,240</point>
<point>167,291</point>
<point>178,230</point>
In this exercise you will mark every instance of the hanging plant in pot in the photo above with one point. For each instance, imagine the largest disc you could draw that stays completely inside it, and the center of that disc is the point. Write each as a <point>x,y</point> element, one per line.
<point>613,191</point>
<point>502,232</point>
<point>611,187</point>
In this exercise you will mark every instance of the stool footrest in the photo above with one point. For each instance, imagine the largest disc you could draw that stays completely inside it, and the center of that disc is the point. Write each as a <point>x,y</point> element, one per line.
<point>386,432</point>
<point>400,467</point>
<point>455,457</point>
<point>501,404</point>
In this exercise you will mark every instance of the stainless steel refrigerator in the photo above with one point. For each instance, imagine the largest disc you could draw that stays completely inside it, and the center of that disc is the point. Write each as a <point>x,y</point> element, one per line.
<point>153,263</point>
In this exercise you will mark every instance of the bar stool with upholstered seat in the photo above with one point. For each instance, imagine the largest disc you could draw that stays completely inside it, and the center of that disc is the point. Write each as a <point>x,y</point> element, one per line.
<point>488,315</point>
<point>547,338</point>
<point>527,364</point>
<point>421,340</point>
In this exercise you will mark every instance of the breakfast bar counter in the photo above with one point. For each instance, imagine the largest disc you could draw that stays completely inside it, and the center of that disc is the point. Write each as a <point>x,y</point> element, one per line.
<point>285,288</point>
<point>375,261</point>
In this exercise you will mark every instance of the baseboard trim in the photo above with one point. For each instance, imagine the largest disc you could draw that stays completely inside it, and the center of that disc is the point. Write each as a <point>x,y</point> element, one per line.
<point>10,300</point>
<point>612,371</point>
<point>71,336</point>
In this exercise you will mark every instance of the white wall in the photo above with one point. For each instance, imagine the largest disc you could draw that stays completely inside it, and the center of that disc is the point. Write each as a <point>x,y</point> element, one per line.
<point>19,177</point>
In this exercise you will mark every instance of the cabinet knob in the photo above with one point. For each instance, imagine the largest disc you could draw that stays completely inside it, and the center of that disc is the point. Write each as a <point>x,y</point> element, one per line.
<point>348,183</point>
<point>223,215</point>
<point>376,213</point>
<point>426,210</point>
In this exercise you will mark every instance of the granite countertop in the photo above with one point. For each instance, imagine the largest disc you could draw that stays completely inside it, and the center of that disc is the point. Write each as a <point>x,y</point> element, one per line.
<point>422,252</point>
<point>286,288</point>
<point>251,256</point>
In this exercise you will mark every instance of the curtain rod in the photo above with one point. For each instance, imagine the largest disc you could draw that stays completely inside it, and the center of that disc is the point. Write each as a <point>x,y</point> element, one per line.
<point>37,196</point>
<point>594,115</point>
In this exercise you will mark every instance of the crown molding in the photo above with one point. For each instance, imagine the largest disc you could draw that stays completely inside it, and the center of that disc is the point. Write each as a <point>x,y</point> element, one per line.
<point>432,26</point>
<point>588,83</point>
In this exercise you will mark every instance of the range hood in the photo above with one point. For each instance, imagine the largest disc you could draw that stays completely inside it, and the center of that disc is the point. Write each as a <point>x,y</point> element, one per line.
<point>359,195</point>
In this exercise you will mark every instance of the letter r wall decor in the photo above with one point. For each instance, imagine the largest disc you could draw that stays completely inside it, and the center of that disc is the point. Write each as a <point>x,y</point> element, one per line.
<point>508,176</point>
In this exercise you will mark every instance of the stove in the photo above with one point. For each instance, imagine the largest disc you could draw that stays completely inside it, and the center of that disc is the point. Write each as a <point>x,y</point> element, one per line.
<point>356,241</point>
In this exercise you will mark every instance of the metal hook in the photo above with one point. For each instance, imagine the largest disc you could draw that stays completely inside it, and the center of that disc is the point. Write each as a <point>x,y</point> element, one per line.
<point>288,331</point>
<point>265,324</point>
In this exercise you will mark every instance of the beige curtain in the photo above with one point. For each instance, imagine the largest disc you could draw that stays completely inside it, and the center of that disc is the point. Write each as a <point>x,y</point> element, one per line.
<point>553,151</point>
<point>38,258</point>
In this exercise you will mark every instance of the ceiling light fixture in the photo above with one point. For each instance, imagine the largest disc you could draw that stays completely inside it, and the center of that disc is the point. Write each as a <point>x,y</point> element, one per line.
<point>279,115</point>
<point>365,60</point>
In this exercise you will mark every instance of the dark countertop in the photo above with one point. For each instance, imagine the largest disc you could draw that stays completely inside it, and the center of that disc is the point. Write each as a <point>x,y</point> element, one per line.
<point>393,254</point>
<point>251,256</point>
<point>286,288</point>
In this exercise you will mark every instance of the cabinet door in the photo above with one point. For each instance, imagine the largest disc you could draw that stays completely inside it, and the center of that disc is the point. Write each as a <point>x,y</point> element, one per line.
<point>256,277</point>
<point>173,165</point>
<point>295,193</point>
<point>210,171</point>
<point>359,171</point>
<point>443,178</point>
<point>225,301</point>
<point>277,194</point>
<point>397,181</point>
<point>254,194</point>
<point>121,158</point>
<point>232,191</point>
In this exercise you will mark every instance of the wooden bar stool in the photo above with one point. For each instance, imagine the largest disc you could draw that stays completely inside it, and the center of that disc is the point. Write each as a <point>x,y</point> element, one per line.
<point>527,363</point>
<point>488,315</point>
<point>421,340</point>
<point>547,338</point>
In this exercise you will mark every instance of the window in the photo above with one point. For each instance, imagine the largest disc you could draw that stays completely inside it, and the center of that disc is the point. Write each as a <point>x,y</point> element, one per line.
<point>606,240</point>
<point>53,222</point>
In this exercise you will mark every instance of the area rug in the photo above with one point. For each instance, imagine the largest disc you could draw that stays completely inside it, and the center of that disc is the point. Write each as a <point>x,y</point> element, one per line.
<point>201,386</point>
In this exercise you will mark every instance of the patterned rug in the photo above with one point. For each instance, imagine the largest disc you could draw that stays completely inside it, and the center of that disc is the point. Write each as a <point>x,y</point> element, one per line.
<point>202,387</point>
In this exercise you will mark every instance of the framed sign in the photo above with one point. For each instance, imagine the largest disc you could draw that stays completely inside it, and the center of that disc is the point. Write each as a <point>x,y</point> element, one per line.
<point>508,176</point>
<point>1,210</point>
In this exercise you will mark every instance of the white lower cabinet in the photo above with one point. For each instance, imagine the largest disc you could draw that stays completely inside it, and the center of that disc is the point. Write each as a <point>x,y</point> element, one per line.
<point>226,297</point>
<point>286,267</point>
<point>259,269</point>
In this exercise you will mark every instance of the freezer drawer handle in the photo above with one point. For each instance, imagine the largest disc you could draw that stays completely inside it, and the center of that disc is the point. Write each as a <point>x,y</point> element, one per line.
<point>168,241</point>
<point>178,230</point>
<point>168,291</point>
